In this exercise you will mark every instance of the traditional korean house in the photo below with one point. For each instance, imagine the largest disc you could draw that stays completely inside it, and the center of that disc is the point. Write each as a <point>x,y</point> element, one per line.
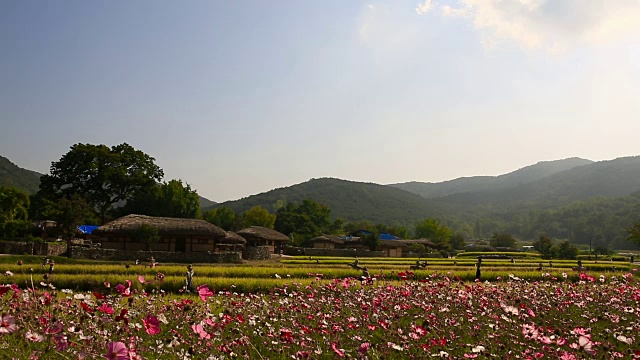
<point>261,236</point>
<point>231,242</point>
<point>174,234</point>
<point>325,242</point>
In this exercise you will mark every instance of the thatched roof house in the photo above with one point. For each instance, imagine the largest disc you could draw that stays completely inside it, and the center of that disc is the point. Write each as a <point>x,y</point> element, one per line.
<point>261,236</point>
<point>175,234</point>
<point>325,242</point>
<point>231,242</point>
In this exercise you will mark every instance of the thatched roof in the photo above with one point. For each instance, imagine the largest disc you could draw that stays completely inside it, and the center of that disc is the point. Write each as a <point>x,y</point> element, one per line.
<point>232,238</point>
<point>127,225</point>
<point>425,242</point>
<point>327,238</point>
<point>261,233</point>
<point>392,243</point>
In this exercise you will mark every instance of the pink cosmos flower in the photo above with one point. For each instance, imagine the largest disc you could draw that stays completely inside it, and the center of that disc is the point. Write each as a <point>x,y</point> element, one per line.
<point>338,351</point>
<point>567,356</point>
<point>204,292</point>
<point>7,324</point>
<point>364,347</point>
<point>141,279</point>
<point>117,351</point>
<point>586,344</point>
<point>151,325</point>
<point>105,308</point>
<point>199,329</point>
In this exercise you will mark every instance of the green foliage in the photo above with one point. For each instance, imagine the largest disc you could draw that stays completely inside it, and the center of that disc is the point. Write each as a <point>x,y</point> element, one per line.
<point>502,240</point>
<point>565,250</point>
<point>223,217</point>
<point>258,216</point>
<point>13,228</point>
<point>433,230</point>
<point>634,233</point>
<point>372,240</point>
<point>69,212</point>
<point>544,245</point>
<point>168,199</point>
<point>105,176</point>
<point>13,204</point>
<point>13,176</point>
<point>305,220</point>
<point>457,241</point>
<point>399,231</point>
<point>147,234</point>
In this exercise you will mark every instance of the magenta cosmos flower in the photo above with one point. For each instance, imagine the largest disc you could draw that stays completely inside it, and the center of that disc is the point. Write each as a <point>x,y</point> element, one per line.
<point>117,351</point>
<point>151,325</point>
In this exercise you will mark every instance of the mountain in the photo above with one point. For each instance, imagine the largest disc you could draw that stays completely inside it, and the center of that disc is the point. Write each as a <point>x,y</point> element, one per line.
<point>611,178</point>
<point>348,200</point>
<point>206,203</point>
<point>479,183</point>
<point>13,175</point>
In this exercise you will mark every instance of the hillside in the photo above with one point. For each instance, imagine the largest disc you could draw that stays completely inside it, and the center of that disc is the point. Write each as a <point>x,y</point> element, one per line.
<point>611,178</point>
<point>521,176</point>
<point>348,200</point>
<point>13,175</point>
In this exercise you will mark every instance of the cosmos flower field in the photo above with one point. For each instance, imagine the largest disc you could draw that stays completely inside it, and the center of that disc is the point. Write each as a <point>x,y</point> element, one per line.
<point>413,318</point>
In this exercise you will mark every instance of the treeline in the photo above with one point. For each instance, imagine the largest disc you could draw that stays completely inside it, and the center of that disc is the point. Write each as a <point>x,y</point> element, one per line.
<point>598,221</point>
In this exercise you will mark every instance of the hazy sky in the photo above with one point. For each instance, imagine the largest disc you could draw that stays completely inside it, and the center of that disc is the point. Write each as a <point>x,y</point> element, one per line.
<point>238,98</point>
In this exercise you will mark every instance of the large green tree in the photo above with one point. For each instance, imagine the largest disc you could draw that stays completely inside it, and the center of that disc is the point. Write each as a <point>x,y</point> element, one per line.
<point>168,199</point>
<point>502,240</point>
<point>304,220</point>
<point>544,245</point>
<point>223,217</point>
<point>104,176</point>
<point>258,216</point>
<point>433,230</point>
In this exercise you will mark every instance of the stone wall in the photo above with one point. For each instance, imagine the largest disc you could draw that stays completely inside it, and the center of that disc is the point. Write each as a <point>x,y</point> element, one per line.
<point>159,256</point>
<point>30,248</point>
<point>333,252</point>
<point>256,253</point>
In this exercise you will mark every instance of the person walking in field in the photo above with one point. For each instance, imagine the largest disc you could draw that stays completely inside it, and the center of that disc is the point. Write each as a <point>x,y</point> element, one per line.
<point>189,279</point>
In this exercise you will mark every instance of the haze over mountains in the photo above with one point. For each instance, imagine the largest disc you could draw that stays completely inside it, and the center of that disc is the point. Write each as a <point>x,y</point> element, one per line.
<point>573,198</point>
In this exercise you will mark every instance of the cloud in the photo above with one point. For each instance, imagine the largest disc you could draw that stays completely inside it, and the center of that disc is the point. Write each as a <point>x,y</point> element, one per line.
<point>424,8</point>
<point>551,25</point>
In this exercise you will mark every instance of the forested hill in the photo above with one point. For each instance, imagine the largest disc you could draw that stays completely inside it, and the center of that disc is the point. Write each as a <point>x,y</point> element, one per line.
<point>12,175</point>
<point>481,183</point>
<point>348,200</point>
<point>612,178</point>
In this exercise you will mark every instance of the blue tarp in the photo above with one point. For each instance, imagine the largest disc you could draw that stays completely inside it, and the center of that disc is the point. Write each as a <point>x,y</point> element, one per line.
<point>87,229</point>
<point>385,236</point>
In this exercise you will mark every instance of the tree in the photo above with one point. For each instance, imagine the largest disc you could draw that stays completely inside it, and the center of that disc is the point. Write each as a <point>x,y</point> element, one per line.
<point>502,240</point>
<point>258,216</point>
<point>457,241</point>
<point>305,220</point>
<point>634,233</point>
<point>544,245</point>
<point>147,234</point>
<point>433,230</point>
<point>566,250</point>
<point>14,204</point>
<point>223,217</point>
<point>172,199</point>
<point>372,240</point>
<point>105,176</point>
<point>69,212</point>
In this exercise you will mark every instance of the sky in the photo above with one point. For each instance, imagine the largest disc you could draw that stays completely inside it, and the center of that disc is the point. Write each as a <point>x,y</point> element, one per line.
<point>240,97</point>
